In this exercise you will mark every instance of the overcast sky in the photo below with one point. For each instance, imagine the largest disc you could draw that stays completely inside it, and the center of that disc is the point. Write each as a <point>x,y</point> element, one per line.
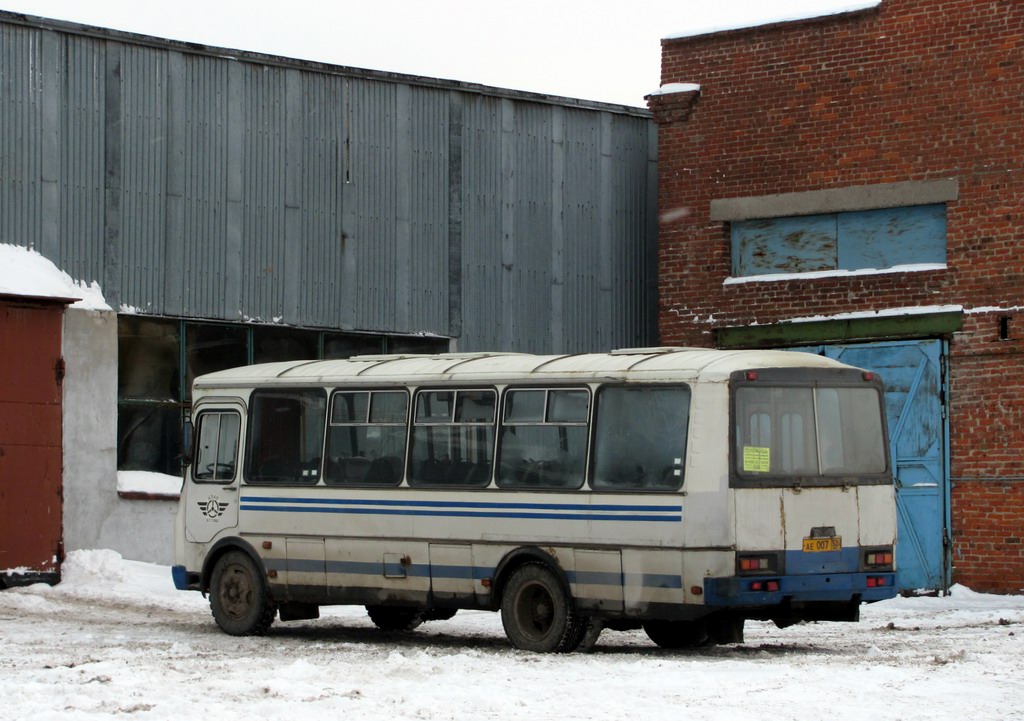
<point>605,50</point>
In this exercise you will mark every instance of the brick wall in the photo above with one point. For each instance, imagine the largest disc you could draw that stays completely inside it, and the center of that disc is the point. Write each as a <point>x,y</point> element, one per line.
<point>912,90</point>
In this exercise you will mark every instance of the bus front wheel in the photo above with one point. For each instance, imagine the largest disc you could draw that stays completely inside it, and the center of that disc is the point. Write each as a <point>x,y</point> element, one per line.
<point>537,612</point>
<point>239,598</point>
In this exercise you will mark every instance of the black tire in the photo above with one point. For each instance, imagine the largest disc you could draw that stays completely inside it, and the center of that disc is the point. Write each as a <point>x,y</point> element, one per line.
<point>239,597</point>
<point>396,618</point>
<point>440,614</point>
<point>592,628</point>
<point>537,612</point>
<point>677,634</point>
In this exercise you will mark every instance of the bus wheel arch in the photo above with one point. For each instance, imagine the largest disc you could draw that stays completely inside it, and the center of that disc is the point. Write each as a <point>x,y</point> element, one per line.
<point>226,545</point>
<point>519,557</point>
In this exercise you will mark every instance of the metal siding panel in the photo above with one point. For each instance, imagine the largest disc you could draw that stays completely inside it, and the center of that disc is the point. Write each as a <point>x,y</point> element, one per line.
<point>174,216</point>
<point>455,210</point>
<point>403,207</point>
<point>582,229</point>
<point>113,173</point>
<point>371,194</point>
<point>531,329</point>
<point>204,181</point>
<point>22,80</point>
<point>265,258</point>
<point>143,130</point>
<point>507,317</point>
<point>320,200</point>
<point>632,227</point>
<point>290,193</point>
<point>50,103</point>
<point>556,340</point>
<point>81,202</point>
<point>430,222</point>
<point>481,225</point>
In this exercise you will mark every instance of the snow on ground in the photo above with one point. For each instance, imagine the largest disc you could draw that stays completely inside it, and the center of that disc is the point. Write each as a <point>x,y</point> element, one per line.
<point>115,639</point>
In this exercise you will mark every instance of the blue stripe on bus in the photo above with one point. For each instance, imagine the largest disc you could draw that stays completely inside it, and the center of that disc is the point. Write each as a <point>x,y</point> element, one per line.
<point>460,504</point>
<point>461,514</point>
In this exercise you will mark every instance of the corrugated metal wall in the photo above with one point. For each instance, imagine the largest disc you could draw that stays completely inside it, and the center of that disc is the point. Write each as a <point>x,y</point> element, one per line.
<point>193,184</point>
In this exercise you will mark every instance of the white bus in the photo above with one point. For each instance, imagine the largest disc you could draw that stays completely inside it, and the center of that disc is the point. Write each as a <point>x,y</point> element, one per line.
<point>678,490</point>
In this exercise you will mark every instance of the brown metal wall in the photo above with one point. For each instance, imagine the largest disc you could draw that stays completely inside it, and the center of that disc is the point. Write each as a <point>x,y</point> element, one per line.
<point>30,441</point>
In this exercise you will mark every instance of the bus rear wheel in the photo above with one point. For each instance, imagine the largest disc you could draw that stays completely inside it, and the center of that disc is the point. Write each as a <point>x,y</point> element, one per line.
<point>677,634</point>
<point>239,598</point>
<point>537,612</point>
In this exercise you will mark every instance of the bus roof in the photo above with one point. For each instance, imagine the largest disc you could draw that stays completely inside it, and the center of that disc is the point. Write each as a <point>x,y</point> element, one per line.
<point>691,364</point>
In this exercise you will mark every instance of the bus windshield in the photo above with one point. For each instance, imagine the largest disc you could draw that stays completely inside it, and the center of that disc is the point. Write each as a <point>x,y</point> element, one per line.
<point>816,433</point>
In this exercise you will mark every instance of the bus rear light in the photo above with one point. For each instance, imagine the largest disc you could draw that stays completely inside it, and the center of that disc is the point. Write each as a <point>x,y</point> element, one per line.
<point>751,375</point>
<point>869,376</point>
<point>753,564</point>
<point>878,559</point>
<point>771,586</point>
<point>758,563</point>
<point>877,581</point>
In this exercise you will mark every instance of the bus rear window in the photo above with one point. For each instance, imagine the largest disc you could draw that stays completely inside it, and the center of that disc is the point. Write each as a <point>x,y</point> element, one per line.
<point>808,432</point>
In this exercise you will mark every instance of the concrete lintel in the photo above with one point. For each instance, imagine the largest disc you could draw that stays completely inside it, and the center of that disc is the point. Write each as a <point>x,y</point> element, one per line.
<point>837,200</point>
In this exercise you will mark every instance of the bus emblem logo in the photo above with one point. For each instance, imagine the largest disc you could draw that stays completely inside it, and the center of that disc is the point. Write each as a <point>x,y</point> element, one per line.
<point>212,509</point>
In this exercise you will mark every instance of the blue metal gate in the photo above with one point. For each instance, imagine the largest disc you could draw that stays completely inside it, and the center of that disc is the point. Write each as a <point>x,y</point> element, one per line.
<point>914,401</point>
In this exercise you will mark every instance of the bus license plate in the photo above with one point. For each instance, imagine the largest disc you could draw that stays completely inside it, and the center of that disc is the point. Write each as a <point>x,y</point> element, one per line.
<point>817,545</point>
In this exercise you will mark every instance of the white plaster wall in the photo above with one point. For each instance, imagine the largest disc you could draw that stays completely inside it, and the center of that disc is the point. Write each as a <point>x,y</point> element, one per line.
<point>94,515</point>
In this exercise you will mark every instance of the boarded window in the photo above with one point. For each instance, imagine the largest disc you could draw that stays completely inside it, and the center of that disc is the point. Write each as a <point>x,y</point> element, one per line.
<point>876,239</point>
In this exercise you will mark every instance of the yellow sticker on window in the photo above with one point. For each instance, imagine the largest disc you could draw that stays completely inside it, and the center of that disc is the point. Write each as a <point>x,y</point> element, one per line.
<point>756,460</point>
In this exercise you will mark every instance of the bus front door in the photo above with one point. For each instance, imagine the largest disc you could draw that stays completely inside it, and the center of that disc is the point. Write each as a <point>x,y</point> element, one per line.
<point>213,478</point>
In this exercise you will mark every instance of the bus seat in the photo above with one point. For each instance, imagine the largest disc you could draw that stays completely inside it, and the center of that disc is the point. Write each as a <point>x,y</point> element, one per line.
<point>386,469</point>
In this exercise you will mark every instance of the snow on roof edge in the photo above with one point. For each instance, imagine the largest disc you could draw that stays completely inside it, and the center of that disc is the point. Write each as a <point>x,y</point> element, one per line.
<point>747,23</point>
<point>25,272</point>
<point>673,88</point>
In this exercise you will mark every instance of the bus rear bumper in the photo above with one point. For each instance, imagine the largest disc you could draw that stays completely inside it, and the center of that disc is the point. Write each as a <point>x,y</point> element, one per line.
<point>736,591</point>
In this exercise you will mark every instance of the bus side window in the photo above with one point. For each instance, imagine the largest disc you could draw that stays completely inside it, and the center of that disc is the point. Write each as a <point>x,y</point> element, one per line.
<point>453,438</point>
<point>366,438</point>
<point>640,437</point>
<point>217,447</point>
<point>286,432</point>
<point>544,438</point>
